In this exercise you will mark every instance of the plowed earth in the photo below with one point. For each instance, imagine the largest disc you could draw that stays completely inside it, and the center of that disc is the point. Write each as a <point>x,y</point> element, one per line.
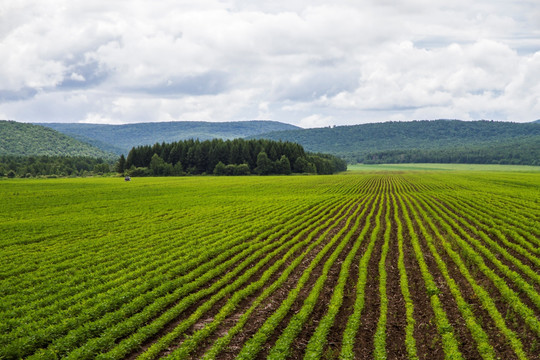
<point>252,312</point>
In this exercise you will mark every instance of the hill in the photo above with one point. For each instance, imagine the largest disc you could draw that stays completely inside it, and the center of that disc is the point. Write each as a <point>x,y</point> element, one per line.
<point>501,142</point>
<point>22,139</point>
<point>121,138</point>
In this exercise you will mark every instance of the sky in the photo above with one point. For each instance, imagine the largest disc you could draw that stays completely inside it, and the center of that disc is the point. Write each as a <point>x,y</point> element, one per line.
<point>309,63</point>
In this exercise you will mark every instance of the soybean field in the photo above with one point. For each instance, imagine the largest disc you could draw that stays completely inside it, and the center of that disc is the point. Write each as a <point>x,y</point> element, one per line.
<point>400,264</point>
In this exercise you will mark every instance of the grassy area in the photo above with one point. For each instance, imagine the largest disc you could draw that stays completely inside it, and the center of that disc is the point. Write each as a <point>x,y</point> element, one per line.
<point>443,167</point>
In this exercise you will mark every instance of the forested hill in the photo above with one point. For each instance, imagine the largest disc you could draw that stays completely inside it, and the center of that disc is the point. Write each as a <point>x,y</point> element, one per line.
<point>121,138</point>
<point>428,141</point>
<point>21,139</point>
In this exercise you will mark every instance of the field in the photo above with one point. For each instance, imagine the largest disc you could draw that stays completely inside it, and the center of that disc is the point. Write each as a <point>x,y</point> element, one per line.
<point>371,264</point>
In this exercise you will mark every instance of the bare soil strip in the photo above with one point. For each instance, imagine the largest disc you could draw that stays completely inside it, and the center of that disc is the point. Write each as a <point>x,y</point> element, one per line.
<point>260,314</point>
<point>363,347</point>
<point>208,317</point>
<point>397,319</point>
<point>299,345</point>
<point>335,335</point>
<point>428,342</point>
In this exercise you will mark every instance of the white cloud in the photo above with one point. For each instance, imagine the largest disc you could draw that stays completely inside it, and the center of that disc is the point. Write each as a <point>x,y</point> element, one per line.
<point>315,120</point>
<point>311,63</point>
<point>76,77</point>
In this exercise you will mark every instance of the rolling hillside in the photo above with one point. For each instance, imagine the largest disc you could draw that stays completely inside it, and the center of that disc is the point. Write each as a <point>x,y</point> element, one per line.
<point>445,141</point>
<point>21,139</point>
<point>497,141</point>
<point>121,138</point>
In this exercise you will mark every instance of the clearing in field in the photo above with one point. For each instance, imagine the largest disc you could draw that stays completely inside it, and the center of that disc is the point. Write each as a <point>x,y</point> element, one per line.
<point>376,264</point>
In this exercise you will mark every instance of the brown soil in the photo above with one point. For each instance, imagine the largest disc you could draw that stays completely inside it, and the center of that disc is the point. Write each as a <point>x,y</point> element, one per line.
<point>272,303</point>
<point>462,334</point>
<point>209,316</point>
<point>428,342</point>
<point>396,317</point>
<point>321,308</point>
<point>523,297</point>
<point>514,322</point>
<point>503,260</point>
<point>335,335</point>
<point>267,307</point>
<point>502,349</point>
<point>300,344</point>
<point>363,347</point>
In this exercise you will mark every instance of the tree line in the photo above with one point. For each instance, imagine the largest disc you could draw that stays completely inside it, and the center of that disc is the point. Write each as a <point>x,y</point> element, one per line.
<point>35,166</point>
<point>226,157</point>
<point>518,152</point>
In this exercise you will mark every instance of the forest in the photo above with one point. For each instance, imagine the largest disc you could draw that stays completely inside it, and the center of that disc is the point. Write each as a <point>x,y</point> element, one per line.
<point>444,141</point>
<point>22,139</point>
<point>524,151</point>
<point>226,157</point>
<point>52,166</point>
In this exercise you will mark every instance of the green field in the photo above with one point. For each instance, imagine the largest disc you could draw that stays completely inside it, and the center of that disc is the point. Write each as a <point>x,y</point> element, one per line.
<point>382,262</point>
<point>447,167</point>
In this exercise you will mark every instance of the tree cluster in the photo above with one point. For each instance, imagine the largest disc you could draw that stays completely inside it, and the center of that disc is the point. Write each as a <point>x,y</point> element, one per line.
<point>34,166</point>
<point>226,157</point>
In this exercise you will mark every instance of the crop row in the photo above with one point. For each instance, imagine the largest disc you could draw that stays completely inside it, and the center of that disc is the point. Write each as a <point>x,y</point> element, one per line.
<point>273,267</point>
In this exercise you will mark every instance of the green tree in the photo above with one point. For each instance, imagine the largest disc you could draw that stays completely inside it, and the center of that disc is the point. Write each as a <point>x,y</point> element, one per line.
<point>121,164</point>
<point>178,170</point>
<point>229,169</point>
<point>242,169</point>
<point>300,165</point>
<point>220,169</point>
<point>98,168</point>
<point>283,165</point>
<point>159,167</point>
<point>264,164</point>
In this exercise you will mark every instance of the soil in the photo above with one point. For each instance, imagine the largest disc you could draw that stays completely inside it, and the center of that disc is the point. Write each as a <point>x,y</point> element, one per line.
<point>259,316</point>
<point>428,341</point>
<point>209,316</point>
<point>396,321</point>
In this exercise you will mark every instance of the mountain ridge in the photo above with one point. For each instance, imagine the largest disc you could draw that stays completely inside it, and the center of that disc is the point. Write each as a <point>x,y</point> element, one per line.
<point>356,142</point>
<point>441,140</point>
<point>121,138</point>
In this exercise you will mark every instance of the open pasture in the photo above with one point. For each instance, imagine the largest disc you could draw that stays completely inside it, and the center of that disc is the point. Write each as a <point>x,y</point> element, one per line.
<point>366,265</point>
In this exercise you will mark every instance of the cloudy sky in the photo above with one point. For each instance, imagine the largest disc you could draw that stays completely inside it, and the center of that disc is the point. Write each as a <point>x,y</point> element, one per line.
<point>306,62</point>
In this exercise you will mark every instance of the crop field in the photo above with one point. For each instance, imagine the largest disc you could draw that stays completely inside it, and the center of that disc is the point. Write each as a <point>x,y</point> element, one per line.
<point>398,264</point>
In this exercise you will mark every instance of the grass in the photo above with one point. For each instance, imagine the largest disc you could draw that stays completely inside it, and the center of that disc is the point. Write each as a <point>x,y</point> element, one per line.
<point>442,167</point>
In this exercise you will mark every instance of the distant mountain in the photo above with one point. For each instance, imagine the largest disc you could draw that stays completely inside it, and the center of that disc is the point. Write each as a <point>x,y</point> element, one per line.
<point>416,141</point>
<point>361,143</point>
<point>121,138</point>
<point>22,139</point>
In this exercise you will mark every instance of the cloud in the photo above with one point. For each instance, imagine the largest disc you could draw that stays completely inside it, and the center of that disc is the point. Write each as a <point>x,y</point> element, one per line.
<point>315,120</point>
<point>311,63</point>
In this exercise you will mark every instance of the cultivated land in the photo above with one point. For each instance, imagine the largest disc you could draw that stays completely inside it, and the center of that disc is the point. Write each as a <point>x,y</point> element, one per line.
<point>373,264</point>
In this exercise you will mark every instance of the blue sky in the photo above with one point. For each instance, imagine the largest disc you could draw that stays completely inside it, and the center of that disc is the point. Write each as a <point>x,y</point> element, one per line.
<point>308,63</point>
